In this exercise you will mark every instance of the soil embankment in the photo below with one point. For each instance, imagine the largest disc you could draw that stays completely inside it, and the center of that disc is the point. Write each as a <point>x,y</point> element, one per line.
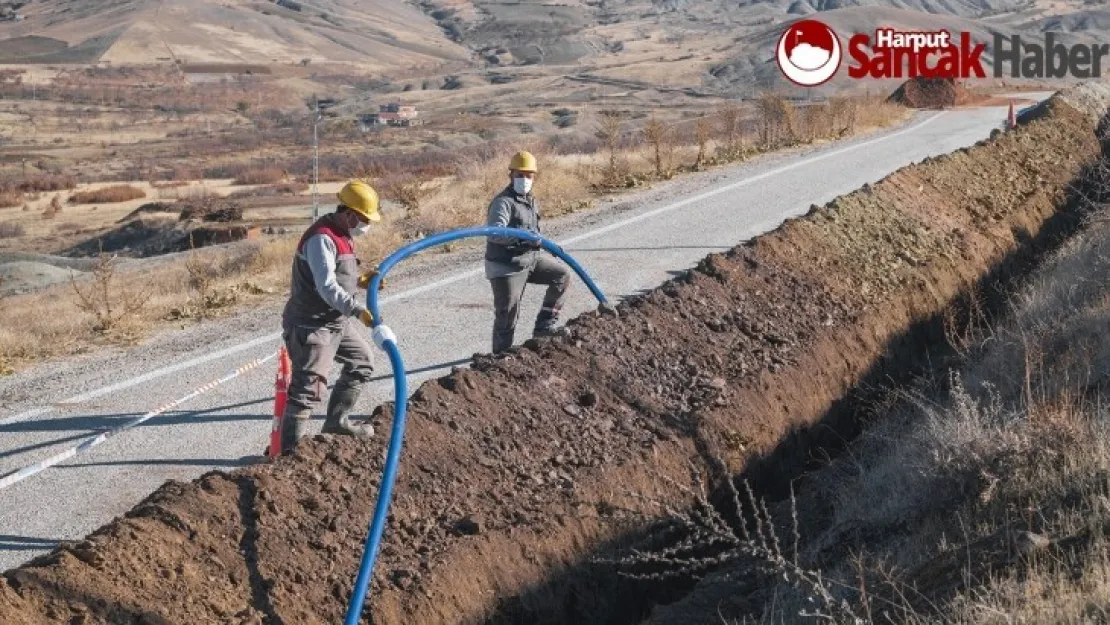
<point>517,470</point>
<point>931,93</point>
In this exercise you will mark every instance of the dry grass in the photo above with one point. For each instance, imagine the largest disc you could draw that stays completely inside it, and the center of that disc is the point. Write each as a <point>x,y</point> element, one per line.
<point>51,211</point>
<point>438,194</point>
<point>730,135</point>
<point>118,306</point>
<point>988,502</point>
<point>11,199</point>
<point>260,176</point>
<point>10,230</point>
<point>982,498</point>
<point>108,195</point>
<point>273,190</point>
<point>44,183</point>
<point>407,191</point>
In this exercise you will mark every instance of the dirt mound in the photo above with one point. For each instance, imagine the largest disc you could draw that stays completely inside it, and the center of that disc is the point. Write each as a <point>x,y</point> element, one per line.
<point>152,208</point>
<point>203,236</point>
<point>212,210</point>
<point>19,47</point>
<point>930,93</point>
<point>139,237</point>
<point>517,469</point>
<point>151,236</point>
<point>25,276</point>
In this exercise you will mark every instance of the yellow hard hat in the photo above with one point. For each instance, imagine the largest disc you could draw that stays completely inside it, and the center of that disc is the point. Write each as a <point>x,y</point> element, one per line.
<point>361,198</point>
<point>523,161</point>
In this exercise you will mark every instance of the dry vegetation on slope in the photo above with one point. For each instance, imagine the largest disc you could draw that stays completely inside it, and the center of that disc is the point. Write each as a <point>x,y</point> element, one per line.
<point>427,200</point>
<point>976,495</point>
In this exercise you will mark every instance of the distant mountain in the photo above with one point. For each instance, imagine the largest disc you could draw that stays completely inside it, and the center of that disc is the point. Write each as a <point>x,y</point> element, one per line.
<point>382,33</point>
<point>724,46</point>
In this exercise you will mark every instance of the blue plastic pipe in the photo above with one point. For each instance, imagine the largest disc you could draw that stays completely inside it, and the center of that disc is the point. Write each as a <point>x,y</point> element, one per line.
<point>400,385</point>
<point>385,493</point>
<point>463,233</point>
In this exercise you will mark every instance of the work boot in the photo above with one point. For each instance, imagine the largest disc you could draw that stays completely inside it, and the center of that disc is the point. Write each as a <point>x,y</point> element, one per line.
<point>546,324</point>
<point>294,424</point>
<point>549,327</point>
<point>340,404</point>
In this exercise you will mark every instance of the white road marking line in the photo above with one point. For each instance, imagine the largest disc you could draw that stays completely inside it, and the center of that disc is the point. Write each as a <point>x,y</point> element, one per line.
<point>234,349</point>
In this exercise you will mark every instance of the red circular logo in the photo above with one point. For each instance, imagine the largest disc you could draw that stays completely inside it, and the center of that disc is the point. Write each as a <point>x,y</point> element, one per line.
<point>808,53</point>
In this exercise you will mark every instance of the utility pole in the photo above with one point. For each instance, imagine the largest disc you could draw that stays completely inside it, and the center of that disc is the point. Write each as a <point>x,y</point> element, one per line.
<point>315,161</point>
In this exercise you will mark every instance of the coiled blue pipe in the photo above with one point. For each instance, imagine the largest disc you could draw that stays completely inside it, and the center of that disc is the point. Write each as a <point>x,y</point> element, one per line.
<point>400,385</point>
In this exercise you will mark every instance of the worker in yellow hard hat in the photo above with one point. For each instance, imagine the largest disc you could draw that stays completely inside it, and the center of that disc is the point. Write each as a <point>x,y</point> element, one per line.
<point>318,319</point>
<point>512,263</point>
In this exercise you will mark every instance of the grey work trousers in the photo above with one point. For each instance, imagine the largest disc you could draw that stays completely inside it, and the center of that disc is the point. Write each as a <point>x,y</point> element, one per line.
<point>508,290</point>
<point>312,350</point>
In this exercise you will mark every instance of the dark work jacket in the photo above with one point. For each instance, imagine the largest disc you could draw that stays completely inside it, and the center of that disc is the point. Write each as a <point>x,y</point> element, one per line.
<point>507,255</point>
<point>305,306</point>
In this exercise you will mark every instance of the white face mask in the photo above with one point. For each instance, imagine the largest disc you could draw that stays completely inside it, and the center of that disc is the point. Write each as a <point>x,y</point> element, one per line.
<point>361,229</point>
<point>522,185</point>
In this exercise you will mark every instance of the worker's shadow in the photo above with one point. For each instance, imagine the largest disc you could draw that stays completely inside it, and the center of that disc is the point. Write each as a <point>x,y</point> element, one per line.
<point>426,369</point>
<point>11,542</point>
<point>85,426</point>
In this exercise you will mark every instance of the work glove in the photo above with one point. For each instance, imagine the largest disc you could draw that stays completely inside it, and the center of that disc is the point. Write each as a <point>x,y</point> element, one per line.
<point>527,244</point>
<point>365,317</point>
<point>364,279</point>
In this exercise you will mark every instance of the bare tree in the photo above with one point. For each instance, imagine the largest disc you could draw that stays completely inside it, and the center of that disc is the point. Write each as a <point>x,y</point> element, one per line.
<point>610,132</point>
<point>778,121</point>
<point>54,208</point>
<point>702,131</point>
<point>106,299</point>
<point>657,135</point>
<point>730,116</point>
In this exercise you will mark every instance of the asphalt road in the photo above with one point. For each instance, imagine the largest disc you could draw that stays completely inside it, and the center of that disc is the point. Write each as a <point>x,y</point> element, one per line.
<point>440,307</point>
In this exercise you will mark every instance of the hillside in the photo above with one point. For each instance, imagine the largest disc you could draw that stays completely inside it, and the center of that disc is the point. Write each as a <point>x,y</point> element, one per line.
<point>716,44</point>
<point>377,34</point>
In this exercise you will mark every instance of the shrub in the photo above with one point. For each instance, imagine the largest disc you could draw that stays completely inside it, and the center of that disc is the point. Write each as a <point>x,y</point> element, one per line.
<point>108,195</point>
<point>11,231</point>
<point>208,210</point>
<point>660,137</point>
<point>57,182</point>
<point>260,176</point>
<point>285,188</point>
<point>10,199</point>
<point>107,298</point>
<point>54,208</point>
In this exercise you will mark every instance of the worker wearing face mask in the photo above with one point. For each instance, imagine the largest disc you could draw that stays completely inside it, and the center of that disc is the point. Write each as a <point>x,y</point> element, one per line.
<point>319,318</point>
<point>512,263</point>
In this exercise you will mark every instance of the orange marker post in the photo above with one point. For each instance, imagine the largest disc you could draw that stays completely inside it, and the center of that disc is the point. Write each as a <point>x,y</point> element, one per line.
<point>281,387</point>
<point>1011,118</point>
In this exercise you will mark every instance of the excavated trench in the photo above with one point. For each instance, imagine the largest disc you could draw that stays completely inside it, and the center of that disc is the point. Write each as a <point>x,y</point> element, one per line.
<point>520,471</point>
